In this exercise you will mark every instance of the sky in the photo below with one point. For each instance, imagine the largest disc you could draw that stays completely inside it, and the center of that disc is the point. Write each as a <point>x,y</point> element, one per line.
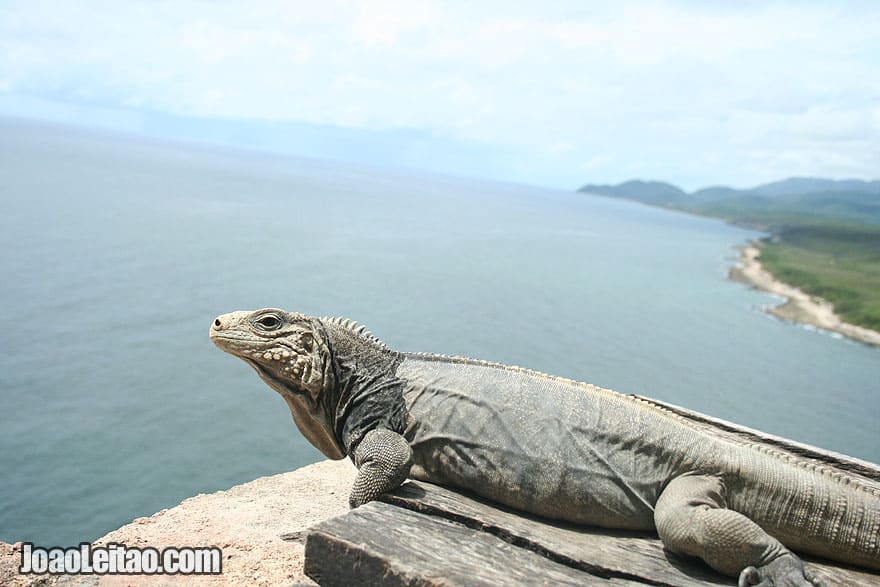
<point>556,93</point>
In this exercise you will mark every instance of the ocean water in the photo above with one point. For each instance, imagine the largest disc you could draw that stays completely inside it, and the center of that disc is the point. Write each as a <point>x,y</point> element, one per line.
<point>117,253</point>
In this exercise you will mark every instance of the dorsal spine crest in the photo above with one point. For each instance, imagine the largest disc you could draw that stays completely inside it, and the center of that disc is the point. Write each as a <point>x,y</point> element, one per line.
<point>355,328</point>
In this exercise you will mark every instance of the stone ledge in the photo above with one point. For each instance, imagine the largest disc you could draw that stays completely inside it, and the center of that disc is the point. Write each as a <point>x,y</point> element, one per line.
<point>259,525</point>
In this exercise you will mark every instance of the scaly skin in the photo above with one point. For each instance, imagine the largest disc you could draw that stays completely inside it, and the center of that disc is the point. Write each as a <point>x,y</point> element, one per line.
<point>557,448</point>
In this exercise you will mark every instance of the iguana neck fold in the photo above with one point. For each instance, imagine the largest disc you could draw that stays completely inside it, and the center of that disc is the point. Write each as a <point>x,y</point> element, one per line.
<point>366,392</point>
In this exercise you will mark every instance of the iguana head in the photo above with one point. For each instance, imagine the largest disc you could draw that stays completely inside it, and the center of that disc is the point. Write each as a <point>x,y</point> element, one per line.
<point>290,353</point>
<point>314,363</point>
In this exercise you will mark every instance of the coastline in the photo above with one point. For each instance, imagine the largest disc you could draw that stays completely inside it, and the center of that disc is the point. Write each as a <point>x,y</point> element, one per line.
<point>799,306</point>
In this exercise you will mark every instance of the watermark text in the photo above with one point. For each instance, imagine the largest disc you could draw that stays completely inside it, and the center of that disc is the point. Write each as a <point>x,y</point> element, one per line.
<point>119,559</point>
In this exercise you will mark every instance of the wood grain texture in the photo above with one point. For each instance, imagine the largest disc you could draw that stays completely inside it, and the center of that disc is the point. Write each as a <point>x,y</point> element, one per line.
<point>379,543</point>
<point>429,535</point>
<point>609,553</point>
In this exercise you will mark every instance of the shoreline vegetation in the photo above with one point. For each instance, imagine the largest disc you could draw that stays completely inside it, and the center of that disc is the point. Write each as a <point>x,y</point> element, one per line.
<point>822,252</point>
<point>799,306</point>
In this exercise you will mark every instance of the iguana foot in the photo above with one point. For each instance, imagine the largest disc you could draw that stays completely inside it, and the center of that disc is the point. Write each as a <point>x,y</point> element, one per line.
<point>383,459</point>
<point>785,571</point>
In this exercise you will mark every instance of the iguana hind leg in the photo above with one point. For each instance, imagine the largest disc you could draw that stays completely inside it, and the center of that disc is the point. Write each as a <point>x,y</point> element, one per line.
<point>383,459</point>
<point>691,518</point>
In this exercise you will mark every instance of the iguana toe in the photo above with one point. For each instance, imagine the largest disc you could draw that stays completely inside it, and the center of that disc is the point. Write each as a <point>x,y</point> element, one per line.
<point>785,571</point>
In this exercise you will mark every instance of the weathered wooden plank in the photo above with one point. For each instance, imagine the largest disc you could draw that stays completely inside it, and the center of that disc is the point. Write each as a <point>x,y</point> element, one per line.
<point>430,535</point>
<point>604,552</point>
<point>610,553</point>
<point>379,543</point>
<point>837,575</point>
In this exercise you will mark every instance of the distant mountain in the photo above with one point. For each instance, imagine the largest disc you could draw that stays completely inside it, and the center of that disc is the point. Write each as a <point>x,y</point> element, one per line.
<point>657,193</point>
<point>770,205</point>
<point>719,192</point>
<point>798,186</point>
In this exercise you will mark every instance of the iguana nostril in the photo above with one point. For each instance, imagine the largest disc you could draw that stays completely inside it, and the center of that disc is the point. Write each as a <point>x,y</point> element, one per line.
<point>217,323</point>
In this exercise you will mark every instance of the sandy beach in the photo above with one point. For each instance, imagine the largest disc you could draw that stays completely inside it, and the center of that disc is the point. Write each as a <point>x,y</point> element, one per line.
<point>799,306</point>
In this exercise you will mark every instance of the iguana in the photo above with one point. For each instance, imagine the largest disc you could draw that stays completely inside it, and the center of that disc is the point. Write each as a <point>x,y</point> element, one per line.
<point>557,448</point>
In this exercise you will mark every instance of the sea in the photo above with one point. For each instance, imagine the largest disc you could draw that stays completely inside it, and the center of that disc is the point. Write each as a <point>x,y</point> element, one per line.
<point>117,252</point>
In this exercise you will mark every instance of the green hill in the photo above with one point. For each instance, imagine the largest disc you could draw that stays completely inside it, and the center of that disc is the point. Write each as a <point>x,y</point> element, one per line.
<point>655,193</point>
<point>808,185</point>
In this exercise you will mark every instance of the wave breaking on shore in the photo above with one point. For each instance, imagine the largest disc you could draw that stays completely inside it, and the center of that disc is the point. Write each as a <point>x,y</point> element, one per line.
<point>799,306</point>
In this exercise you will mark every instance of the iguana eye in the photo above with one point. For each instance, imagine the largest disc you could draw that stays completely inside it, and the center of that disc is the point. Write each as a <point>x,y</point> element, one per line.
<point>269,322</point>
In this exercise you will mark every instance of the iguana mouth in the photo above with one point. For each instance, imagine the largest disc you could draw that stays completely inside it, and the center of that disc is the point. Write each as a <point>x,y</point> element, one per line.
<point>239,343</point>
<point>216,337</point>
<point>282,363</point>
<point>250,348</point>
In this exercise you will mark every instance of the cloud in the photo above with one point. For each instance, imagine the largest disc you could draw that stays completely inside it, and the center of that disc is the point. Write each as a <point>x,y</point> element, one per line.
<point>655,85</point>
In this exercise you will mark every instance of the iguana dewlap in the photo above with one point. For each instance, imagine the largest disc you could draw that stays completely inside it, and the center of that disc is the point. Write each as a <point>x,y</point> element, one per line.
<point>557,448</point>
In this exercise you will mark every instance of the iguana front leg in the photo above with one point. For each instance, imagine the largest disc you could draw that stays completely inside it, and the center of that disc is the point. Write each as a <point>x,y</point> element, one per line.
<point>383,459</point>
<point>691,518</point>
